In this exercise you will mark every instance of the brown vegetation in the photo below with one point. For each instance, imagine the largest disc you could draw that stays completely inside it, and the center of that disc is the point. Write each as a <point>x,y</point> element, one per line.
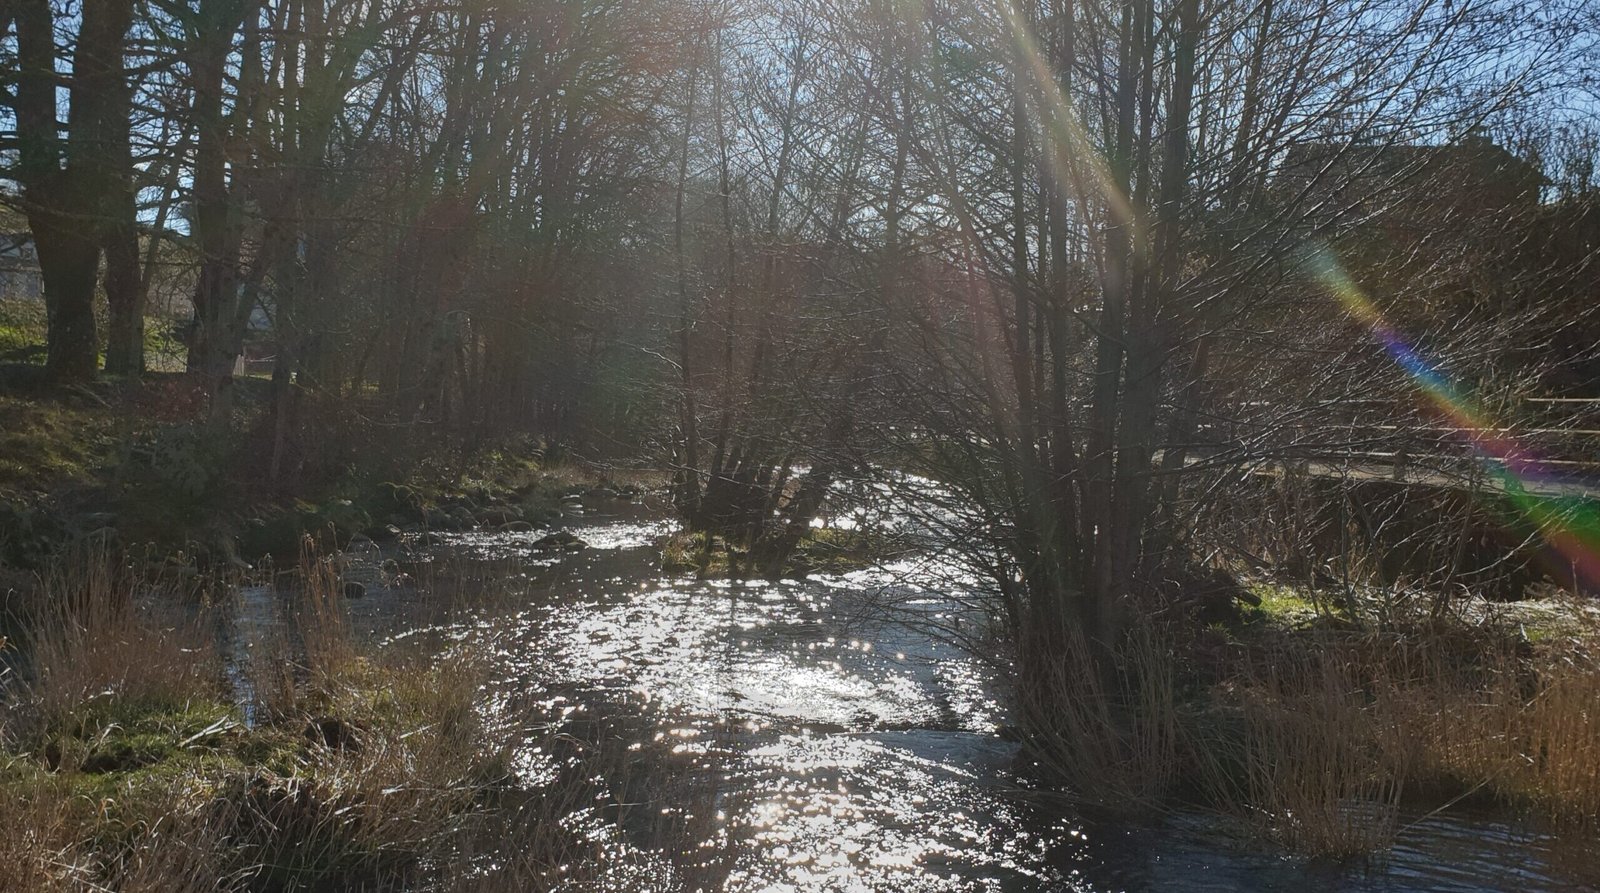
<point>1128,297</point>
<point>126,764</point>
<point>1323,736</point>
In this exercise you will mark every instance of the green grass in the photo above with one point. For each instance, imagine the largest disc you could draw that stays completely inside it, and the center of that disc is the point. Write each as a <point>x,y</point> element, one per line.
<point>1284,605</point>
<point>123,752</point>
<point>46,444</point>
<point>23,329</point>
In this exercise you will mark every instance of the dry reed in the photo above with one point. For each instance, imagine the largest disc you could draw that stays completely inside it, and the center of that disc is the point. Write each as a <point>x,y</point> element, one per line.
<point>1314,736</point>
<point>125,768</point>
<point>1114,743</point>
<point>1301,761</point>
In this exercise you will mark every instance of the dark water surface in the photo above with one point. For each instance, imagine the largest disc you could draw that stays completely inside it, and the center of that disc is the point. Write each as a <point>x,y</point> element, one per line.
<point>794,736</point>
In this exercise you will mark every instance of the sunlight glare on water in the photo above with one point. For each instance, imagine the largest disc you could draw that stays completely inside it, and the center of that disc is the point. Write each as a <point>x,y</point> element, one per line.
<point>817,735</point>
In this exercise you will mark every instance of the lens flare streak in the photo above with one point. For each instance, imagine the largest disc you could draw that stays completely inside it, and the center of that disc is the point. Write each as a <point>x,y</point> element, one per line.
<point>1569,525</point>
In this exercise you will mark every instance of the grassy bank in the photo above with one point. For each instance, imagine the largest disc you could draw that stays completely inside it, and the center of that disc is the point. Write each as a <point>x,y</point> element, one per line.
<point>139,463</point>
<point>823,550</point>
<point>136,755</point>
<point>1319,729</point>
<point>24,324</point>
<point>131,759</point>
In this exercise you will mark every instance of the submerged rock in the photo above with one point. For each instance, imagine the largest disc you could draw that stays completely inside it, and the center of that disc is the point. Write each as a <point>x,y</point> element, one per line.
<point>563,540</point>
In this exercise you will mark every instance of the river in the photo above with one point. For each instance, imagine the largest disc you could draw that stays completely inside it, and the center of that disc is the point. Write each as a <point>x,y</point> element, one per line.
<point>798,736</point>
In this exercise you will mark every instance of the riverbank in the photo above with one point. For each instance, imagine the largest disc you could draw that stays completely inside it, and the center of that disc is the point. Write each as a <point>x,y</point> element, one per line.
<point>138,466</point>
<point>525,720</point>
<point>1321,728</point>
<point>137,754</point>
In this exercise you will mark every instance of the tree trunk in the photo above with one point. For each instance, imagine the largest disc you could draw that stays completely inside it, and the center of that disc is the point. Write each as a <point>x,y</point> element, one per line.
<point>213,346</point>
<point>119,236</point>
<point>68,260</point>
<point>688,494</point>
<point>125,286</point>
<point>63,200</point>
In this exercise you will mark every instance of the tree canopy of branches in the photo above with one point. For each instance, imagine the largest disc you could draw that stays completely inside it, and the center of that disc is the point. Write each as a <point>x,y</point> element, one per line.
<point>1083,262</point>
<point>1063,257</point>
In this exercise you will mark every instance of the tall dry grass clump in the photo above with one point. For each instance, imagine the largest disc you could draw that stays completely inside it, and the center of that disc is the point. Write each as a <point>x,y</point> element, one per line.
<point>103,633</point>
<point>119,673</point>
<point>1519,723</point>
<point>1561,765</point>
<point>38,839</point>
<point>112,661</point>
<point>395,764</point>
<point>1300,758</point>
<point>1320,736</point>
<point>1111,737</point>
<point>126,764</point>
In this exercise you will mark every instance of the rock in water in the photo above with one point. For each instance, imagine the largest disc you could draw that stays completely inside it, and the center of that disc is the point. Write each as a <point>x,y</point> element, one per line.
<point>563,540</point>
<point>352,589</point>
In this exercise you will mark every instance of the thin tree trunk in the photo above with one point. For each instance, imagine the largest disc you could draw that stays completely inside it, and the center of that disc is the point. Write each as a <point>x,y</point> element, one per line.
<point>219,260</point>
<point>689,473</point>
<point>1116,286</point>
<point>126,286</point>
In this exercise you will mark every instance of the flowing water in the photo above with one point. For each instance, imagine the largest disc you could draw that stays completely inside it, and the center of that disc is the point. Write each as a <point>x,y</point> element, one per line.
<point>797,736</point>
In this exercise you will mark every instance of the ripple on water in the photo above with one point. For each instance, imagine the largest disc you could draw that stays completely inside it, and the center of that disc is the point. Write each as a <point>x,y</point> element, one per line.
<point>886,811</point>
<point>834,748</point>
<point>710,650</point>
